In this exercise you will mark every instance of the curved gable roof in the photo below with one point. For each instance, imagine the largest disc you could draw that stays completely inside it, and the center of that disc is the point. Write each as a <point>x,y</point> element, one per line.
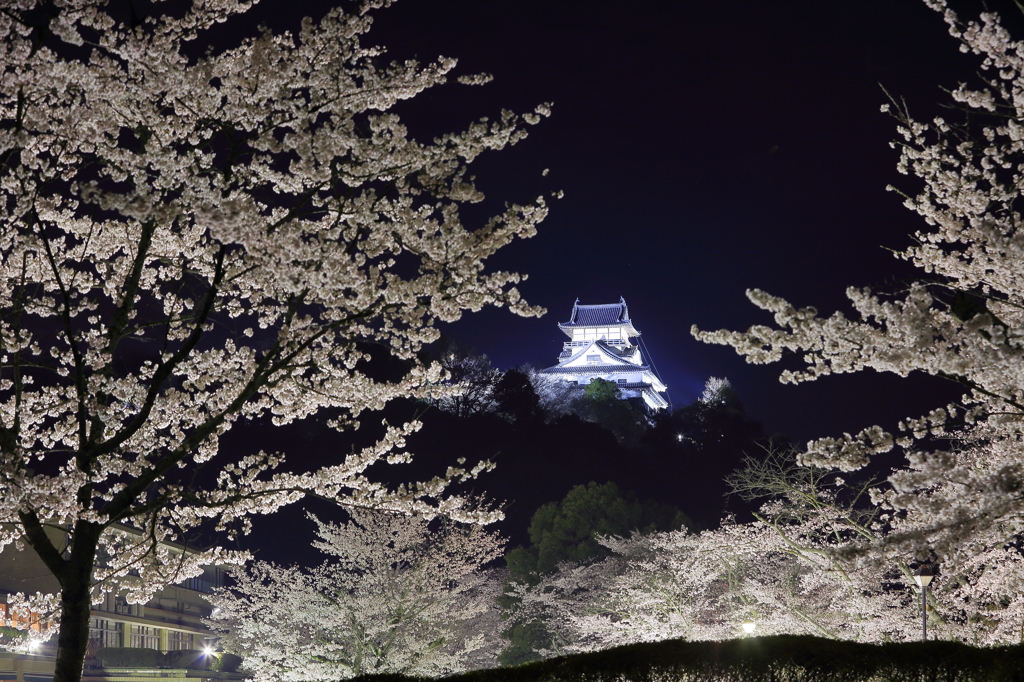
<point>608,355</point>
<point>602,315</point>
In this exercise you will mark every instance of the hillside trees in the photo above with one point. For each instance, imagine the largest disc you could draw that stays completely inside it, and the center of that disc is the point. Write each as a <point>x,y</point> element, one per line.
<point>784,572</point>
<point>515,398</point>
<point>192,242</point>
<point>961,321</point>
<point>395,596</point>
<point>569,532</point>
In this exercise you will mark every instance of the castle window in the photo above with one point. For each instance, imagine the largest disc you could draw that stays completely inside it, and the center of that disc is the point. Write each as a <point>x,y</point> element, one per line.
<point>622,381</point>
<point>593,358</point>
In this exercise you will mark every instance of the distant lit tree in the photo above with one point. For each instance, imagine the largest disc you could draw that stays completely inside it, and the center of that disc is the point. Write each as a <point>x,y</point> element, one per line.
<point>558,398</point>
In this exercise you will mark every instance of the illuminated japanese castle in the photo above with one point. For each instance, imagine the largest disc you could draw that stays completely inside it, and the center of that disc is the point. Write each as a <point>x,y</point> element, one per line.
<point>604,345</point>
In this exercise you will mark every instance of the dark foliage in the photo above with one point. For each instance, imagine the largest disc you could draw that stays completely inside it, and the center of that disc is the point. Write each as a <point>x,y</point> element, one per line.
<point>567,531</point>
<point>796,658</point>
<point>124,657</point>
<point>188,659</point>
<point>516,400</point>
<point>603,404</point>
<point>227,663</point>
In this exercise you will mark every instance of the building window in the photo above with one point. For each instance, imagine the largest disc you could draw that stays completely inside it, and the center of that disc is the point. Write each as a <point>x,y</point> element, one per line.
<point>210,579</point>
<point>622,381</point>
<point>122,606</point>
<point>103,632</point>
<point>179,641</point>
<point>143,637</point>
<point>593,358</point>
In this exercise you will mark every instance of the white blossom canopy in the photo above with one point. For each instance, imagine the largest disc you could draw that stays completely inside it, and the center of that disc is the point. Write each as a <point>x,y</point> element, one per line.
<point>187,242</point>
<point>963,320</point>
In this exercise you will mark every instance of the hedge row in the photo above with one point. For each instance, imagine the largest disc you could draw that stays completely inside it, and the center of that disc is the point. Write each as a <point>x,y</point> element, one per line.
<point>782,658</point>
<point>125,657</point>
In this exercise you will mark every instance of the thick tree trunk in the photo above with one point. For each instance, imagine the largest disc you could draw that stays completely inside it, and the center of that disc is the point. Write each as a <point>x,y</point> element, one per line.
<point>76,603</point>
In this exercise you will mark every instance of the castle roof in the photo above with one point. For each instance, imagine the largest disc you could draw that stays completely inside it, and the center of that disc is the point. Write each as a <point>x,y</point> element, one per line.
<point>609,353</point>
<point>598,369</point>
<point>602,315</point>
<point>609,363</point>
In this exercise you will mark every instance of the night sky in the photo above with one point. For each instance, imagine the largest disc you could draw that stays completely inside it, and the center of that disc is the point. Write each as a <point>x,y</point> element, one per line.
<point>704,148</point>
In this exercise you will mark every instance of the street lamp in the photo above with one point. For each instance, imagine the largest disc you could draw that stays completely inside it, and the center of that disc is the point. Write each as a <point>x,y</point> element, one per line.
<point>748,627</point>
<point>922,576</point>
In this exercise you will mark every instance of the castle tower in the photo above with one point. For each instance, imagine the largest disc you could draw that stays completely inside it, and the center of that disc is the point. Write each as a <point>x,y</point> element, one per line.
<point>601,346</point>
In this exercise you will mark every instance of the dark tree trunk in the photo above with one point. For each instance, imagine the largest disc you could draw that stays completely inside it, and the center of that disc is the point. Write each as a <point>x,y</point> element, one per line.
<point>76,604</point>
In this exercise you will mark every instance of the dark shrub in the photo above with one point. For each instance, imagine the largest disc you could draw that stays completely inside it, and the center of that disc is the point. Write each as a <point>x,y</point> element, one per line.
<point>227,663</point>
<point>125,657</point>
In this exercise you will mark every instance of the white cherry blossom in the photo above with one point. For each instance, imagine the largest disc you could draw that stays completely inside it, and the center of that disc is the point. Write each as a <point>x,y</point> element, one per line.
<point>962,321</point>
<point>189,242</point>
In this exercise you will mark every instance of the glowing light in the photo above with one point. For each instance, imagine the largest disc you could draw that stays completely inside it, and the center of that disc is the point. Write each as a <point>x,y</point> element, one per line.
<point>207,650</point>
<point>748,627</point>
<point>32,646</point>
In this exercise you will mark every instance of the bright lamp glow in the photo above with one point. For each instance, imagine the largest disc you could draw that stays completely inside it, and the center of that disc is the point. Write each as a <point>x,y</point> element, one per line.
<point>207,650</point>
<point>748,627</point>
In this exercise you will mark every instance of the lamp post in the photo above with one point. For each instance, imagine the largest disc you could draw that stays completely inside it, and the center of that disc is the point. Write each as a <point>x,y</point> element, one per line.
<point>922,576</point>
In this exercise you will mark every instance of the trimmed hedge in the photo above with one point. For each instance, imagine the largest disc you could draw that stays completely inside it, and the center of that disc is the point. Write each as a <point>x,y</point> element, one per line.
<point>190,659</point>
<point>126,657</point>
<point>796,658</point>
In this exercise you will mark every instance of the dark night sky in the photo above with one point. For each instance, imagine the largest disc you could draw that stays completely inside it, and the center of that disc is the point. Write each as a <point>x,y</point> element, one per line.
<point>704,147</point>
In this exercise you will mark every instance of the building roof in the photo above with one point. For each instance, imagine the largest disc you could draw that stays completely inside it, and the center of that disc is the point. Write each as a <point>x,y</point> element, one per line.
<point>602,315</point>
<point>598,369</point>
<point>607,351</point>
<point>625,353</point>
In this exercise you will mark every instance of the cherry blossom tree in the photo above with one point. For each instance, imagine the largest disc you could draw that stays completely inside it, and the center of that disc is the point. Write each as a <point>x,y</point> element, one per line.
<point>189,242</point>
<point>962,321</point>
<point>395,597</point>
<point>786,572</point>
<point>704,586</point>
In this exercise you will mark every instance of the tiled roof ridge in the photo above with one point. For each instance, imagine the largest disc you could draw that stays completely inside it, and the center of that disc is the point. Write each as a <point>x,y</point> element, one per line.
<point>621,314</point>
<point>597,369</point>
